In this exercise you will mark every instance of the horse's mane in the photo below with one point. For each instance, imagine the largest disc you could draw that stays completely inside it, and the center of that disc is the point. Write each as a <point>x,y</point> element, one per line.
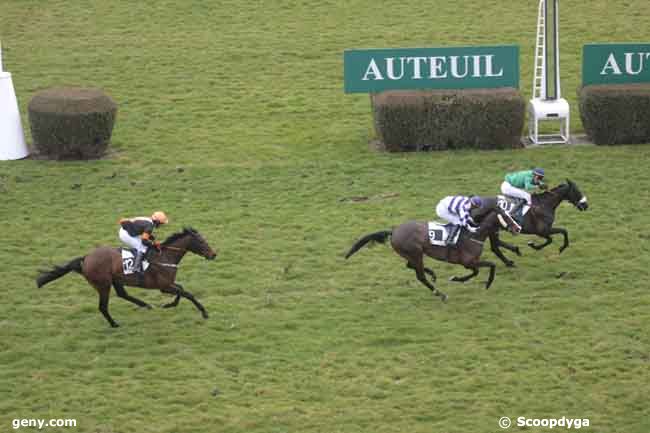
<point>175,236</point>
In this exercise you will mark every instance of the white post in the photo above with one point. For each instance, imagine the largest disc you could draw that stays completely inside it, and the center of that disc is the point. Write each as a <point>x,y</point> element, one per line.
<point>543,107</point>
<point>12,140</point>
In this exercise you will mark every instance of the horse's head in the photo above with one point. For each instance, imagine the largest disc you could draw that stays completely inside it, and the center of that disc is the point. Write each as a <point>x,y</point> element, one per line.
<point>192,241</point>
<point>576,197</point>
<point>198,245</point>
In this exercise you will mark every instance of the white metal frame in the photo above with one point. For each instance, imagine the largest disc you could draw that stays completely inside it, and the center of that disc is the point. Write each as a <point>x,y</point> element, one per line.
<point>541,108</point>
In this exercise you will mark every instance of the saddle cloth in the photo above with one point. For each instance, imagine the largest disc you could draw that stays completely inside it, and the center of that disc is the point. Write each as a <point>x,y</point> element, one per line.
<point>438,234</point>
<point>128,261</point>
<point>508,203</point>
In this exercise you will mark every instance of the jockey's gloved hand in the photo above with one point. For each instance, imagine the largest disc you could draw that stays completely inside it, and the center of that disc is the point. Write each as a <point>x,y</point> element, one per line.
<point>472,229</point>
<point>543,186</point>
<point>147,243</point>
<point>156,245</point>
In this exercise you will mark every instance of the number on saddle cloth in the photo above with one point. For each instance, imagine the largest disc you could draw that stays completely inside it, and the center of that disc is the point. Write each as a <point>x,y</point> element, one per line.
<point>508,203</point>
<point>439,233</point>
<point>128,261</point>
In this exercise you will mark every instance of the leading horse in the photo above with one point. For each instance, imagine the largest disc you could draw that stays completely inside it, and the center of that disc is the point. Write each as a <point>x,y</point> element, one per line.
<point>539,219</point>
<point>103,268</point>
<point>411,241</point>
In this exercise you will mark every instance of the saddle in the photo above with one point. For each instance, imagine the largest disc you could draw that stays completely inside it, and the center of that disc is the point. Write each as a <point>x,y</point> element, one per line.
<point>439,234</point>
<point>128,261</point>
<point>508,204</point>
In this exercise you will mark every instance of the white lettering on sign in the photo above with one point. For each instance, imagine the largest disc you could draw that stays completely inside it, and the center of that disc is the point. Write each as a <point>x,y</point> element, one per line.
<point>612,67</point>
<point>374,70</point>
<point>397,68</point>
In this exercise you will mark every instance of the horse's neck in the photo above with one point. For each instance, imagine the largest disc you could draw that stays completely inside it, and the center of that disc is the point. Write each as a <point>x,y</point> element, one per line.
<point>555,196</point>
<point>487,227</point>
<point>175,252</point>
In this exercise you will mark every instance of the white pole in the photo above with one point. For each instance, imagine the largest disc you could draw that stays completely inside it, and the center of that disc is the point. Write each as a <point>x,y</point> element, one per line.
<point>0,56</point>
<point>556,9</point>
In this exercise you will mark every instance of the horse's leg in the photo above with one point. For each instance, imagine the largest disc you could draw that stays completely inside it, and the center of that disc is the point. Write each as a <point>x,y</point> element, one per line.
<point>495,242</point>
<point>121,292</point>
<point>427,270</point>
<point>534,246</point>
<point>466,277</point>
<point>510,247</point>
<point>492,266</point>
<point>185,294</point>
<point>557,230</point>
<point>104,291</point>
<point>174,302</point>
<point>417,264</point>
<point>174,291</point>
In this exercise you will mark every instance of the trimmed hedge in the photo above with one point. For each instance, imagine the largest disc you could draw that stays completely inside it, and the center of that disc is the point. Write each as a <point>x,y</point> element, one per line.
<point>616,114</point>
<point>71,122</point>
<point>449,119</point>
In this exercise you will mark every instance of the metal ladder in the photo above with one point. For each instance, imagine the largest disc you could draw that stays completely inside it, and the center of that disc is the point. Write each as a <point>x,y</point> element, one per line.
<point>539,77</point>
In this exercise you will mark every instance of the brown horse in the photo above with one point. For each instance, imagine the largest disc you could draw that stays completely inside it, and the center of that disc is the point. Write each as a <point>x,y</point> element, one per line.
<point>411,241</point>
<point>103,268</point>
<point>539,219</point>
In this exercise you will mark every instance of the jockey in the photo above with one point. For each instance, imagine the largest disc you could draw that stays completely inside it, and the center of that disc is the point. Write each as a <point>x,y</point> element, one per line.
<point>456,210</point>
<point>138,234</point>
<point>518,184</point>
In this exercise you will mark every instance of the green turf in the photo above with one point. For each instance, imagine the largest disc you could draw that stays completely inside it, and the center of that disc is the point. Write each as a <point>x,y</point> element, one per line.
<point>233,120</point>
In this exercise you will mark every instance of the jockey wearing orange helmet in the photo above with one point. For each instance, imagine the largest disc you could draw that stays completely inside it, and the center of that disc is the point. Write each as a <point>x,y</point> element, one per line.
<point>138,234</point>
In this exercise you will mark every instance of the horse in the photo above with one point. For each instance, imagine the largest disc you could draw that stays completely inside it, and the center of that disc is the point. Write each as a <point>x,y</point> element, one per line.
<point>539,220</point>
<point>103,267</point>
<point>410,240</point>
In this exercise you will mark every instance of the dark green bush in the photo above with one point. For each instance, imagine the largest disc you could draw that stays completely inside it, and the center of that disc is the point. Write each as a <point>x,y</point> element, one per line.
<point>616,114</point>
<point>71,122</point>
<point>449,119</point>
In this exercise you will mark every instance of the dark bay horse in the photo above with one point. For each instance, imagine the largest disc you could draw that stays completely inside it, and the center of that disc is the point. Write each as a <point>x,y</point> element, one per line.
<point>411,241</point>
<point>539,219</point>
<point>103,268</point>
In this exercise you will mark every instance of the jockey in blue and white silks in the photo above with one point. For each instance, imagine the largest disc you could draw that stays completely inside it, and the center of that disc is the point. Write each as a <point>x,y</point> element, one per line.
<point>455,209</point>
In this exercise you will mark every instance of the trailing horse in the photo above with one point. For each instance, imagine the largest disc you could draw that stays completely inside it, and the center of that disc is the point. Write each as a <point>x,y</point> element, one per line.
<point>103,268</point>
<point>411,241</point>
<point>539,219</point>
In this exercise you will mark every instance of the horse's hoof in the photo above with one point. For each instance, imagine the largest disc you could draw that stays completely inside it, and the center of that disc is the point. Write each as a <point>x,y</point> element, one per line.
<point>148,307</point>
<point>510,264</point>
<point>444,297</point>
<point>562,249</point>
<point>517,251</point>
<point>114,325</point>
<point>454,279</point>
<point>204,314</point>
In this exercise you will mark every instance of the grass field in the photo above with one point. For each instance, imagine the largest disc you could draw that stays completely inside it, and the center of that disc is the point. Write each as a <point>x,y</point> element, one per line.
<point>233,120</point>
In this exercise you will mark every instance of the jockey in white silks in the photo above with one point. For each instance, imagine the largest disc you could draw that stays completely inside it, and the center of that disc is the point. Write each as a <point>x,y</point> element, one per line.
<point>456,210</point>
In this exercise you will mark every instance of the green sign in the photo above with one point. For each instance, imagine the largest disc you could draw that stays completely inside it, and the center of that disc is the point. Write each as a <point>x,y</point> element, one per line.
<point>377,70</point>
<point>615,64</point>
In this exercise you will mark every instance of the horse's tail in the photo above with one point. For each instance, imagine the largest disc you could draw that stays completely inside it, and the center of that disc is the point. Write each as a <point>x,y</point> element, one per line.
<point>380,237</point>
<point>59,271</point>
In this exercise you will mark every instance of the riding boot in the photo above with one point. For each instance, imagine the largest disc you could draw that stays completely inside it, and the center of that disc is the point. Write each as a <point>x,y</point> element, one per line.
<point>452,235</point>
<point>520,203</point>
<point>514,213</point>
<point>137,266</point>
